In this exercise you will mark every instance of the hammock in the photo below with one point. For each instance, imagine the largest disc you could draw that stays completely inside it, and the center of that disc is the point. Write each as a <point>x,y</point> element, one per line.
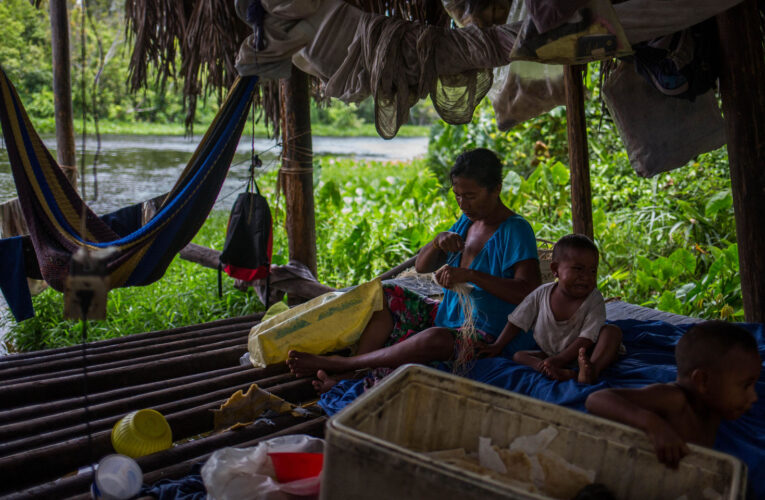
<point>53,210</point>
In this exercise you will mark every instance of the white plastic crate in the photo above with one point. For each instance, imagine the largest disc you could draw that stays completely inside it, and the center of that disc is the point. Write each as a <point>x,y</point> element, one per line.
<point>374,448</point>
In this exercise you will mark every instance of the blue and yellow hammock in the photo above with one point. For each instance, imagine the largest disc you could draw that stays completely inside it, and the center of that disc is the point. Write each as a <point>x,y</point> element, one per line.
<point>53,210</point>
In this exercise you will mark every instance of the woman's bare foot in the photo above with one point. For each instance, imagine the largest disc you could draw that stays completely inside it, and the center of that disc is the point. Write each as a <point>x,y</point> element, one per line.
<point>586,370</point>
<point>303,364</point>
<point>323,382</point>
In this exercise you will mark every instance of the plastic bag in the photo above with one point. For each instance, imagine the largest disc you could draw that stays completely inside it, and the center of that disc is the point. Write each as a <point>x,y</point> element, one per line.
<point>481,13</point>
<point>525,90</point>
<point>592,34</point>
<point>327,323</point>
<point>248,474</point>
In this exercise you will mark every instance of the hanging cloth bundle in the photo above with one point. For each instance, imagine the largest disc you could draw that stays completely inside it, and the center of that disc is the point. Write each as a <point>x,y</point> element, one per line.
<point>53,210</point>
<point>249,236</point>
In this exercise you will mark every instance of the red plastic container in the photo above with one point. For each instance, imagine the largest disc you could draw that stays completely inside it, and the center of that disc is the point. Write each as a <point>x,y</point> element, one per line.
<point>294,466</point>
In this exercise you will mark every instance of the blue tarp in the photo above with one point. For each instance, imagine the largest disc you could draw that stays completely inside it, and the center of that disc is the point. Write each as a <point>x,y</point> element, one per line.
<point>650,359</point>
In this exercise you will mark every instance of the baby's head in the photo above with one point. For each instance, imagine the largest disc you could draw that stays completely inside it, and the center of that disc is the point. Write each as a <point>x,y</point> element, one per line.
<point>721,362</point>
<point>575,264</point>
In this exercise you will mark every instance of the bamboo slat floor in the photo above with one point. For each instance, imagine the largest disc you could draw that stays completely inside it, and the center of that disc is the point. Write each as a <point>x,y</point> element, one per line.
<point>183,373</point>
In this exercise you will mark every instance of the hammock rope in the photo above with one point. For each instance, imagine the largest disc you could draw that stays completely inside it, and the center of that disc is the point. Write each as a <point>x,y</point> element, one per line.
<point>54,211</point>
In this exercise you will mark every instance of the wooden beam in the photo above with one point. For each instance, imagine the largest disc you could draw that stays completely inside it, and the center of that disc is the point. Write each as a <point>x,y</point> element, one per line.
<point>62,89</point>
<point>743,97</point>
<point>581,193</point>
<point>296,173</point>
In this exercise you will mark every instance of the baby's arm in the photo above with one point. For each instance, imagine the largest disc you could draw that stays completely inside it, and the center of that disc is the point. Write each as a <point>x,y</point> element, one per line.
<point>495,348</point>
<point>645,409</point>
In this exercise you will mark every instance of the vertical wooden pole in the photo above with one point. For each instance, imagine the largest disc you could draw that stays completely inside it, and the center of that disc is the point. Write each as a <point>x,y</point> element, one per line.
<point>581,193</point>
<point>62,89</point>
<point>296,174</point>
<point>742,87</point>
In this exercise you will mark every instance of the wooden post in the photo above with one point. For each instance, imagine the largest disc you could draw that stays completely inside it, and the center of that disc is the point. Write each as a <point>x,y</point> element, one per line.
<point>743,97</point>
<point>581,193</point>
<point>296,173</point>
<point>62,89</point>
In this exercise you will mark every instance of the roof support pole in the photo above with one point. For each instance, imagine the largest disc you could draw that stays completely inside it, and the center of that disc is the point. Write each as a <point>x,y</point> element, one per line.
<point>581,193</point>
<point>743,97</point>
<point>62,89</point>
<point>296,173</point>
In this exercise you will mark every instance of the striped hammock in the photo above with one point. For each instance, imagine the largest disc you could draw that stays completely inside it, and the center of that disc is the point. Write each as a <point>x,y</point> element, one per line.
<point>53,210</point>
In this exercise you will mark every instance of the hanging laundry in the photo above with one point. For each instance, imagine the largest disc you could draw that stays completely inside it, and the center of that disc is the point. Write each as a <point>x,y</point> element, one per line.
<point>645,20</point>
<point>684,64</point>
<point>660,132</point>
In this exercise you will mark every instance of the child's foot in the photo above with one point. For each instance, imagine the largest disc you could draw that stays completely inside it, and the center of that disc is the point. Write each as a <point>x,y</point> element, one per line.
<point>323,382</point>
<point>303,364</point>
<point>586,370</point>
<point>557,373</point>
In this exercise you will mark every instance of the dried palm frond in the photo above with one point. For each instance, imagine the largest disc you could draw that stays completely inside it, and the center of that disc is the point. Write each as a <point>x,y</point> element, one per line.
<point>207,35</point>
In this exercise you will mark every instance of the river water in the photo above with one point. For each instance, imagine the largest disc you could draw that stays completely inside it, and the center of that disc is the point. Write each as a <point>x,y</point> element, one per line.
<point>137,168</point>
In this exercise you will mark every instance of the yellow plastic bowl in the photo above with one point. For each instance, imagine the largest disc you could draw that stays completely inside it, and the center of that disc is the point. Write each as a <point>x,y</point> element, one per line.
<point>140,433</point>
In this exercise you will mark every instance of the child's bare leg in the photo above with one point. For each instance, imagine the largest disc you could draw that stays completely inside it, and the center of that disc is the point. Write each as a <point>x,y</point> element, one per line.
<point>532,359</point>
<point>433,344</point>
<point>539,361</point>
<point>604,353</point>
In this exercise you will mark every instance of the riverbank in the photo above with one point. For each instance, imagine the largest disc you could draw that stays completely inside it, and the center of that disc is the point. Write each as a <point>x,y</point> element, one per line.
<point>136,168</point>
<point>47,126</point>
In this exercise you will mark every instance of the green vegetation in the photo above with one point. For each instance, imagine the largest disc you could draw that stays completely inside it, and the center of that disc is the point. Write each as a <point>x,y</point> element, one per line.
<point>667,242</point>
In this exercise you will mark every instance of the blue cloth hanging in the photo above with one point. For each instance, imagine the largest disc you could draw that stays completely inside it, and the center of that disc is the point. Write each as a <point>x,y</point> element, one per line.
<point>13,279</point>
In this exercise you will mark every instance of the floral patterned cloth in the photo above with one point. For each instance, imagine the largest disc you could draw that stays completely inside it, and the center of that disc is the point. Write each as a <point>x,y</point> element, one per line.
<point>412,313</point>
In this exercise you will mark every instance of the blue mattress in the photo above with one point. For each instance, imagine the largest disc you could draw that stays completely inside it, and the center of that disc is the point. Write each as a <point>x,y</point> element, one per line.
<point>650,359</point>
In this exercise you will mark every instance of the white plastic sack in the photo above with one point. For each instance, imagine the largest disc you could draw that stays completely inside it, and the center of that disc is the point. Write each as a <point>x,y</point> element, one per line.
<point>248,474</point>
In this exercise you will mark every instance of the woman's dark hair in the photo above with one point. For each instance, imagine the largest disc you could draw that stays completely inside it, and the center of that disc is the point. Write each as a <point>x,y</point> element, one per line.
<point>481,165</point>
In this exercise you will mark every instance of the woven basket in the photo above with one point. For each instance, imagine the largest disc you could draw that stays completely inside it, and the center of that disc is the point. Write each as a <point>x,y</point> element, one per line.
<point>544,250</point>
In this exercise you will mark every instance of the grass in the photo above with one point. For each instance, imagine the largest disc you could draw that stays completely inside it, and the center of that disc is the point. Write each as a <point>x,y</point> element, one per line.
<point>47,126</point>
<point>187,294</point>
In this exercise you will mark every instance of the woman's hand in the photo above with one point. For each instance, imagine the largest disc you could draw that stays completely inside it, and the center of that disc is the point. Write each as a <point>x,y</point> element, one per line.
<point>484,350</point>
<point>449,242</point>
<point>448,276</point>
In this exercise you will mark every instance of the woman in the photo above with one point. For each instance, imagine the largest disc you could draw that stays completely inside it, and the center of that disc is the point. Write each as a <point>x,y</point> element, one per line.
<point>490,246</point>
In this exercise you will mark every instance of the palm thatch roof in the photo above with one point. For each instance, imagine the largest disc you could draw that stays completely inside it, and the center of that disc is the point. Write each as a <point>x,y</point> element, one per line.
<point>206,34</point>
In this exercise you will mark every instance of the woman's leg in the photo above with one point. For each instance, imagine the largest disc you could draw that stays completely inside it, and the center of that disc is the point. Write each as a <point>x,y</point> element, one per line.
<point>377,331</point>
<point>433,344</point>
<point>604,353</point>
<point>374,336</point>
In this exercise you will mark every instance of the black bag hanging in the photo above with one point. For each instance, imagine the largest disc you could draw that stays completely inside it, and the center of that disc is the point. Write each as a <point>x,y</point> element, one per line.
<point>249,236</point>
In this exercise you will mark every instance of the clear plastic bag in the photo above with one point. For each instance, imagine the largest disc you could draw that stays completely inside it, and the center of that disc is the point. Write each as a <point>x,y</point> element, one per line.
<point>248,474</point>
<point>481,13</point>
<point>523,90</point>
